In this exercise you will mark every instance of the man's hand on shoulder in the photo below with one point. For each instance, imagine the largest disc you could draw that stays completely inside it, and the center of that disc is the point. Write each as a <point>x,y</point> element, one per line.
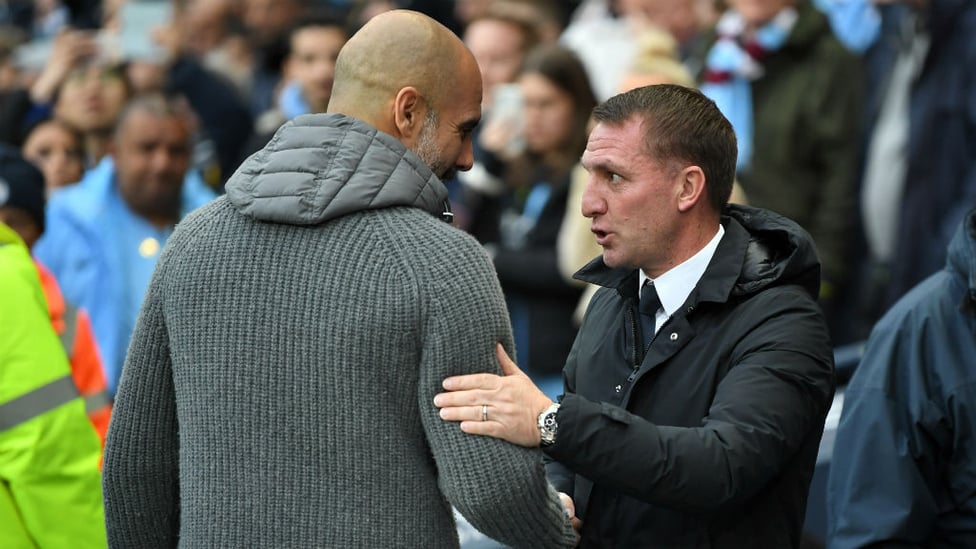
<point>505,407</point>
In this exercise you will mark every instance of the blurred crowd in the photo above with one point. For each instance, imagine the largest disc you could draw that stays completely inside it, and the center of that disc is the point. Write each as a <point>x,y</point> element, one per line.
<point>855,118</point>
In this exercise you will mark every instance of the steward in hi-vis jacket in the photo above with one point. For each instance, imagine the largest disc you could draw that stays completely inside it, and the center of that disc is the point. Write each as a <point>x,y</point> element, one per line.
<point>50,486</point>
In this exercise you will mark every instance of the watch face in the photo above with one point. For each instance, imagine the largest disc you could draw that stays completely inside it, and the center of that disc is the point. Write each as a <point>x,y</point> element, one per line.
<point>548,428</point>
<point>548,425</point>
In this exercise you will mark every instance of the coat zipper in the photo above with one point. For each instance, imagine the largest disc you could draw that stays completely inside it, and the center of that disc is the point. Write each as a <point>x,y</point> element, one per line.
<point>635,328</point>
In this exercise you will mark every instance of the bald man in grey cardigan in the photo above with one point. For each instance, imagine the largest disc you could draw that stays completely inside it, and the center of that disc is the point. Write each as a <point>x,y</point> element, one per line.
<point>278,390</point>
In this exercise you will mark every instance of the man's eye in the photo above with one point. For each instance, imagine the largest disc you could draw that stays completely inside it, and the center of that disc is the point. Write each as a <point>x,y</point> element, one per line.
<point>616,177</point>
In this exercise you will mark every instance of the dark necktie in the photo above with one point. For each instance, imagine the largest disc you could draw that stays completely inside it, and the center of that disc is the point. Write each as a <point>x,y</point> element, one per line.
<point>649,304</point>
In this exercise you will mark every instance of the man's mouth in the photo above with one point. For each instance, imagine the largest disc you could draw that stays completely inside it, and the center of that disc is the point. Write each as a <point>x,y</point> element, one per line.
<point>601,236</point>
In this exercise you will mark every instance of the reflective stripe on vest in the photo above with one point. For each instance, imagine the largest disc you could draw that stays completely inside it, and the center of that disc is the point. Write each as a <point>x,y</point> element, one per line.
<point>96,401</point>
<point>70,327</point>
<point>39,401</point>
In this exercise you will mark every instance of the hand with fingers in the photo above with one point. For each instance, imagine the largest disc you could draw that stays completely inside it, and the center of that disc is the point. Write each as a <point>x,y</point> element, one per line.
<point>570,507</point>
<point>505,407</point>
<point>69,50</point>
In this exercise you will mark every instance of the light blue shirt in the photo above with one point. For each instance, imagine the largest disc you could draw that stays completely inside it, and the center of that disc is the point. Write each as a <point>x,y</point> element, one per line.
<point>103,255</point>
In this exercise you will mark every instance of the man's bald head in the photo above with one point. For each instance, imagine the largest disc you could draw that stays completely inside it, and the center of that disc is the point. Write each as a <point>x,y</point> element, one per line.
<point>395,50</point>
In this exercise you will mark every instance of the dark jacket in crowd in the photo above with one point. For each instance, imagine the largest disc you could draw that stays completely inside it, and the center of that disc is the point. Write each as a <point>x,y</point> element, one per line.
<point>710,439</point>
<point>940,185</point>
<point>540,300</point>
<point>223,114</point>
<point>807,115</point>
<point>903,471</point>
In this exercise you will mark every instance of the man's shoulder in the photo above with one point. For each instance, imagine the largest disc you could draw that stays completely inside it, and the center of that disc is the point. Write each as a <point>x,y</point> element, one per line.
<point>428,243</point>
<point>933,300</point>
<point>425,230</point>
<point>84,201</point>
<point>203,220</point>
<point>81,200</point>
<point>780,303</point>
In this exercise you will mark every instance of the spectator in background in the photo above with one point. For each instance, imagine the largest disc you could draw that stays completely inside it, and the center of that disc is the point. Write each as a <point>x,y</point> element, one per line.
<point>656,62</point>
<point>903,472</point>
<point>111,16</point>
<point>222,124</point>
<point>794,96</point>
<point>920,173</point>
<point>606,34</point>
<point>361,11</point>
<point>213,35</point>
<point>324,268</point>
<point>10,73</point>
<point>266,24</point>
<point>83,86</point>
<point>104,235</point>
<point>90,100</point>
<point>50,17</point>
<point>17,14</point>
<point>22,188</point>
<point>529,215</point>
<point>685,20</point>
<point>856,23</point>
<point>64,66</point>
<point>606,42</point>
<point>309,70</point>
<point>550,13</point>
<point>499,40</point>
<point>466,11</point>
<point>49,481</point>
<point>56,149</point>
<point>548,16</point>
<point>441,11</point>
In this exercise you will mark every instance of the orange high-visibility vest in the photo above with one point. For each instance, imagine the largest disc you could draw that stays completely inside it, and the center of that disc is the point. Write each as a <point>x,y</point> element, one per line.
<point>74,328</point>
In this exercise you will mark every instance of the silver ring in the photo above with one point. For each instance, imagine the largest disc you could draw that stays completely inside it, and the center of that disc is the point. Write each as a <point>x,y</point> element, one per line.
<point>484,412</point>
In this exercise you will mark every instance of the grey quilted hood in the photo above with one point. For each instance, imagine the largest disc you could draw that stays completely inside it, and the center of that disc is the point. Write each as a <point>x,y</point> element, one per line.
<point>321,166</point>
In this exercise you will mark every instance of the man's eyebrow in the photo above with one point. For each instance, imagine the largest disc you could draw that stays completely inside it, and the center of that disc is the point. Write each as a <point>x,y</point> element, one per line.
<point>600,163</point>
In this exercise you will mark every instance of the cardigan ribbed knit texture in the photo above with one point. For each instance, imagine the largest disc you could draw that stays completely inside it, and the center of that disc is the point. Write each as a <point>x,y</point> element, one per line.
<point>278,390</point>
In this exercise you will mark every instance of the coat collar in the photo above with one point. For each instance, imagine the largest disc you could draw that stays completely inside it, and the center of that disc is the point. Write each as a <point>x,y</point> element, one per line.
<point>715,285</point>
<point>760,249</point>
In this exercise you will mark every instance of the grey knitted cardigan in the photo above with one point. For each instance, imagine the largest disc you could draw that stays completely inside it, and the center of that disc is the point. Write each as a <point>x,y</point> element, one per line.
<point>278,390</point>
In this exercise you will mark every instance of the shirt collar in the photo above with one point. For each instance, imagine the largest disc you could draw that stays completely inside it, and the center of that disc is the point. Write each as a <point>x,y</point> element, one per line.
<point>674,286</point>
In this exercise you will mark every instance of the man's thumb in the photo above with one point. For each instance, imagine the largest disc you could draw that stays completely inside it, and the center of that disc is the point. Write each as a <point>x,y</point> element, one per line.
<point>508,366</point>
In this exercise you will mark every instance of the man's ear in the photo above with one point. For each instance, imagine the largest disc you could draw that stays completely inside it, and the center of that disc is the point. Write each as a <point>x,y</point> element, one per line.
<point>691,187</point>
<point>409,110</point>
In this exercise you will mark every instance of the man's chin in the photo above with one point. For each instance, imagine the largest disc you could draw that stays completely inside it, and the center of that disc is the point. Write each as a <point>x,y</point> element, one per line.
<point>614,261</point>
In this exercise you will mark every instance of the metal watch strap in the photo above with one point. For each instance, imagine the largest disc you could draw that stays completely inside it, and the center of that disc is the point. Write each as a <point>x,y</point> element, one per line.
<point>548,425</point>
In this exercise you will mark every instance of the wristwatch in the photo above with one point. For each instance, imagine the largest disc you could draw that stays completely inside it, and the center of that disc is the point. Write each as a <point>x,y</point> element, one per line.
<point>548,426</point>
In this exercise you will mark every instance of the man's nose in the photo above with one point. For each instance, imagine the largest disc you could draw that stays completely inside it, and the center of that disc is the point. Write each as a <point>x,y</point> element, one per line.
<point>466,158</point>
<point>592,203</point>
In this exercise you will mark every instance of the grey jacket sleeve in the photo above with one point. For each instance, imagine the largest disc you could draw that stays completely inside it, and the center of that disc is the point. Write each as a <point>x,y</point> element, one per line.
<point>500,488</point>
<point>141,463</point>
